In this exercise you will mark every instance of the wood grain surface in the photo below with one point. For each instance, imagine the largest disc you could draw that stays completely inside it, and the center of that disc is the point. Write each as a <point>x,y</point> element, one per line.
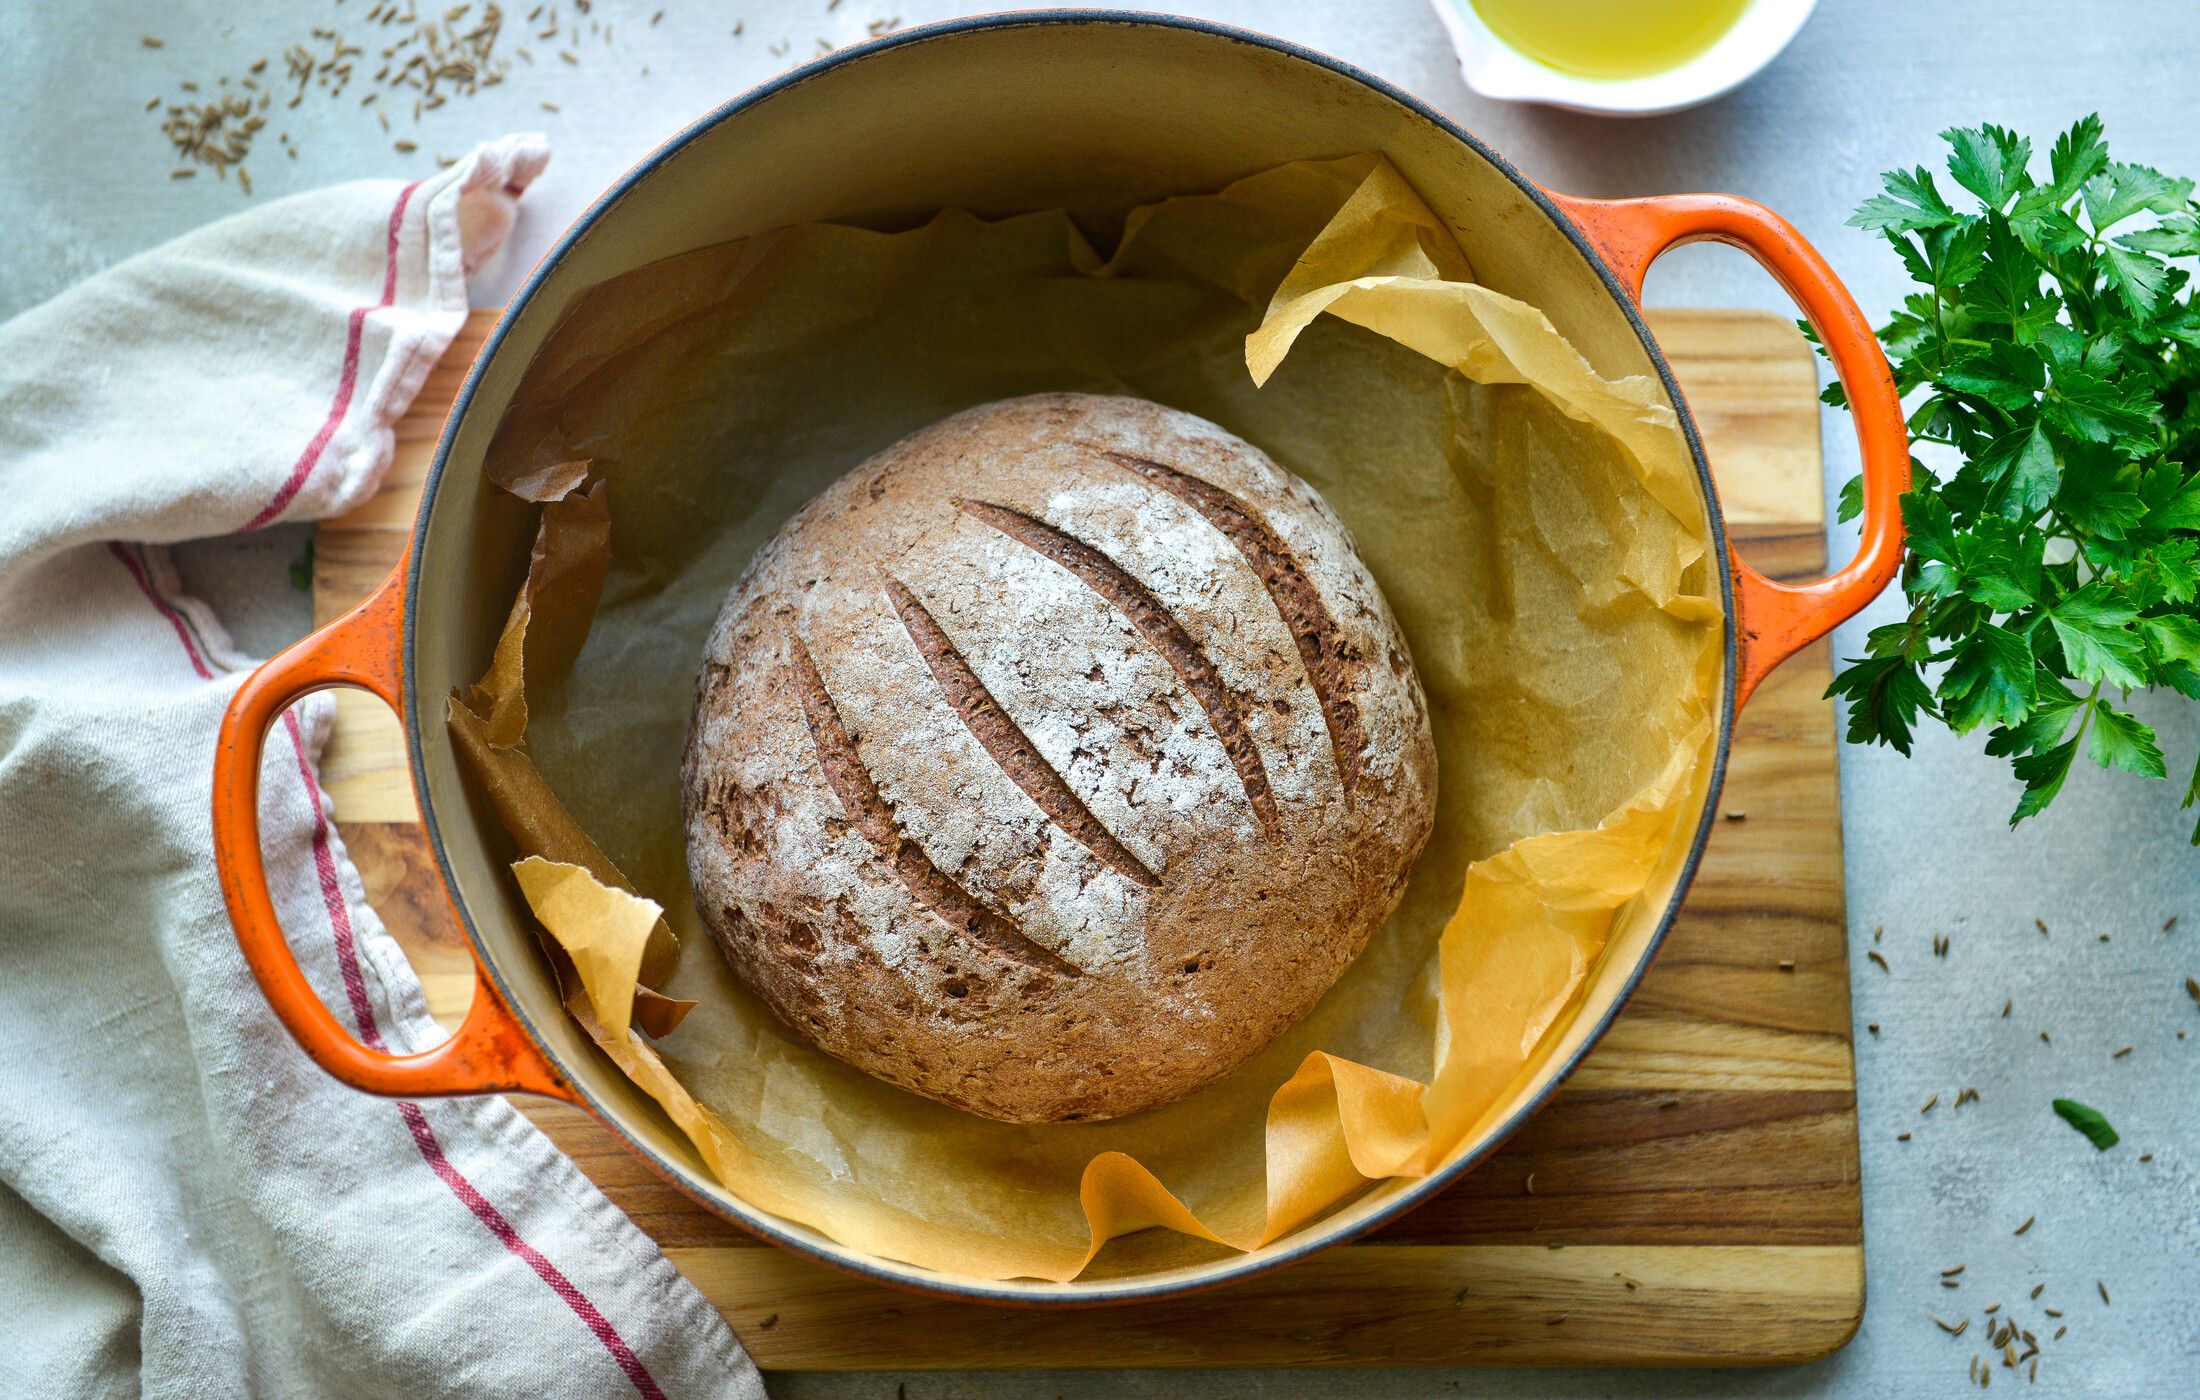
<point>1694,1194</point>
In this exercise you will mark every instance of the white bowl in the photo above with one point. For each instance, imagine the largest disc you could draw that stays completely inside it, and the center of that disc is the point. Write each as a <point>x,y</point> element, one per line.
<point>1495,69</point>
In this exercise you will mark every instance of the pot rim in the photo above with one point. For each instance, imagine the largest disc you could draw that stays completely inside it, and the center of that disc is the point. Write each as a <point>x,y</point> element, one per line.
<point>1258,1262</point>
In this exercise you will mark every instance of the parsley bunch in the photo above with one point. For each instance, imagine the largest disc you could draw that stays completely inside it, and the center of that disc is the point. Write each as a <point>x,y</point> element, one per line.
<point>2055,346</point>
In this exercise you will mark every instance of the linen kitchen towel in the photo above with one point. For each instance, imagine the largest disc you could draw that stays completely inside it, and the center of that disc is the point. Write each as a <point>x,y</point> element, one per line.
<point>188,1206</point>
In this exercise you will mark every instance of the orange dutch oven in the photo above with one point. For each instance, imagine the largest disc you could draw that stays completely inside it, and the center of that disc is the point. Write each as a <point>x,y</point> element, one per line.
<point>1079,110</point>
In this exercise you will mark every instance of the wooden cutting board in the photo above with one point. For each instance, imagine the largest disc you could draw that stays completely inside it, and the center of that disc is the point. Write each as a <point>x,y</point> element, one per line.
<point>1689,1196</point>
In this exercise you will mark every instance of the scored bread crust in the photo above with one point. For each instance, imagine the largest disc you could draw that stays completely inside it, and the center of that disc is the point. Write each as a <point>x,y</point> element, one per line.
<point>1055,760</point>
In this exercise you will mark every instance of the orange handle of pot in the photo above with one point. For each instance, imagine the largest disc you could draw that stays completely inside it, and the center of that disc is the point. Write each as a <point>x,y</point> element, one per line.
<point>492,1052</point>
<point>1775,620</point>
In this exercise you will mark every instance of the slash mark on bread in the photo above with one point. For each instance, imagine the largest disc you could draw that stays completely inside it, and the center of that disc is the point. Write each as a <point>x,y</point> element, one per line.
<point>1162,631</point>
<point>860,798</point>
<point>1006,743</point>
<point>1329,666</point>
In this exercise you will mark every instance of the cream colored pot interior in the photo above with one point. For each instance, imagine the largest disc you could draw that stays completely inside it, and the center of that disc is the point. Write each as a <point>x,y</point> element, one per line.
<point>1092,116</point>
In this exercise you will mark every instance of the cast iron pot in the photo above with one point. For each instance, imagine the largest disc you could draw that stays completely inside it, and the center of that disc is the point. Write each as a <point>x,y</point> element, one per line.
<point>1084,111</point>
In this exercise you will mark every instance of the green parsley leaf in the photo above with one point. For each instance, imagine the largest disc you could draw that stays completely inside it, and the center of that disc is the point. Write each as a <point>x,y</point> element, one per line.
<point>2095,630</point>
<point>2121,191</point>
<point>2052,707</point>
<point>1990,681</point>
<point>2174,638</point>
<point>2023,465</point>
<point>2138,277</point>
<point>2101,504</point>
<point>2093,408</point>
<point>2078,153</point>
<point>2183,511</point>
<point>2177,236</point>
<point>1851,504</point>
<point>2088,1121</point>
<point>1888,693</point>
<point>2007,291</point>
<point>1912,203</point>
<point>2119,741</point>
<point>2177,570</point>
<point>2005,375</point>
<point>1989,161</point>
<point>2043,775</point>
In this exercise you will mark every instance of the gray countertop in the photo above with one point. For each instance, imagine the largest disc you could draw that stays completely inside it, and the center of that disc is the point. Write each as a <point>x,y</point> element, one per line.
<point>84,182</point>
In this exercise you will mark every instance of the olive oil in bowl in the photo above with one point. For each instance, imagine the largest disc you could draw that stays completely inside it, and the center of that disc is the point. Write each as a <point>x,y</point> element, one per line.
<point>1611,39</point>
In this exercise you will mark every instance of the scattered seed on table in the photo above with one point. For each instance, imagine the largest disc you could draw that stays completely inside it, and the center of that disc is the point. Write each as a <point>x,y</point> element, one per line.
<point>1901,1137</point>
<point>149,41</point>
<point>2104,1289</point>
<point>2041,925</point>
<point>1992,1309</point>
<point>2052,1312</point>
<point>2044,1040</point>
<point>1928,1105</point>
<point>1951,1273</point>
<point>2121,1053</point>
<point>1951,1283</point>
<point>551,107</point>
<point>1874,956</point>
<point>1877,931</point>
<point>406,148</point>
<point>1873,1027</point>
<point>2058,1334</point>
<point>1953,1329</point>
<point>1787,964</point>
<point>2007,1007</point>
<point>1737,816</point>
<point>2146,1156</point>
<point>2020,1230</point>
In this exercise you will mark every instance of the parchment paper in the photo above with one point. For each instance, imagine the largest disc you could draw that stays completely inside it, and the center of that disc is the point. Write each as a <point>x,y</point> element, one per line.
<point>1535,528</point>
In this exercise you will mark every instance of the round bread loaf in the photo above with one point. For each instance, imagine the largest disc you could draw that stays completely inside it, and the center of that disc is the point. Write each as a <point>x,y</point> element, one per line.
<point>1055,760</point>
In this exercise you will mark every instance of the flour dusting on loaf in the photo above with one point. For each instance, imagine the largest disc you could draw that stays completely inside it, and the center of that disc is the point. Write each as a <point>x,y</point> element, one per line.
<point>1055,760</point>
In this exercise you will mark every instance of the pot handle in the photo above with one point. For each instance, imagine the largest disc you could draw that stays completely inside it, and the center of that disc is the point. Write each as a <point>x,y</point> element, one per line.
<point>491,1052</point>
<point>1775,620</point>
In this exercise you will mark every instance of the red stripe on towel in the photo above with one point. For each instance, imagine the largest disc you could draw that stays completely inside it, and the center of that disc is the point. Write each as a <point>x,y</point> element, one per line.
<point>348,380</point>
<point>362,1010</point>
<point>136,567</point>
